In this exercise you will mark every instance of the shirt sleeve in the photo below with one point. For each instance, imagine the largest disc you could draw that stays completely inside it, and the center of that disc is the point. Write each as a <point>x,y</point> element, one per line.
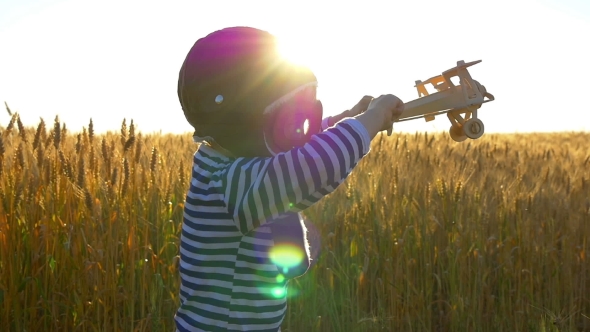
<point>260,189</point>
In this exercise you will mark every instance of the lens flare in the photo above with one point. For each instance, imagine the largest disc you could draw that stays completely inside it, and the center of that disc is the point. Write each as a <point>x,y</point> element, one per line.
<point>286,256</point>
<point>278,292</point>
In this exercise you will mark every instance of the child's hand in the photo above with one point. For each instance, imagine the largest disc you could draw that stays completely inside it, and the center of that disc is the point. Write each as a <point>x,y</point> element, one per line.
<point>359,108</point>
<point>381,114</point>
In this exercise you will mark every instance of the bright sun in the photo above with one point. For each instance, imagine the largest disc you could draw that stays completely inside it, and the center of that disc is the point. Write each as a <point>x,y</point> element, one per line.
<point>296,51</point>
<point>300,51</point>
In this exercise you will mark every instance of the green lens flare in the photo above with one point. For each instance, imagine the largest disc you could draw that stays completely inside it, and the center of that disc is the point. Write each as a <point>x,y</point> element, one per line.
<point>278,292</point>
<point>286,256</point>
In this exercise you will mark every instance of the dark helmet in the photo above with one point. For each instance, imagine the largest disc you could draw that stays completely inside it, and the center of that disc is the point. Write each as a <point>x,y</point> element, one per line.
<point>227,81</point>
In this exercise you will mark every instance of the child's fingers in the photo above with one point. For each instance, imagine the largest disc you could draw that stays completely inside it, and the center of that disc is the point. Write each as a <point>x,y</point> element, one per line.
<point>361,106</point>
<point>365,101</point>
<point>396,113</point>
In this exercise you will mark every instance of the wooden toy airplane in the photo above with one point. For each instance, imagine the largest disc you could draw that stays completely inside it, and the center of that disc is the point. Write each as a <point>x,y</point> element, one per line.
<point>460,102</point>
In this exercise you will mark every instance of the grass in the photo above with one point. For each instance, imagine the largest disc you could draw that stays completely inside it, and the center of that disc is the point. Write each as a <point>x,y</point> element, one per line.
<point>425,235</point>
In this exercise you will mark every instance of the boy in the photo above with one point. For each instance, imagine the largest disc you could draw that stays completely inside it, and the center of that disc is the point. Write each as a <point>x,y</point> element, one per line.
<point>263,159</point>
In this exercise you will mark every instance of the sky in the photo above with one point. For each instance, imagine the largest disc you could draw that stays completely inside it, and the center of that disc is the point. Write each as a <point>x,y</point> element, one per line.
<point>119,59</point>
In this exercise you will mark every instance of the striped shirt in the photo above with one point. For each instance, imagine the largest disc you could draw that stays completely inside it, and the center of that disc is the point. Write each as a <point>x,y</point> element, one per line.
<point>229,281</point>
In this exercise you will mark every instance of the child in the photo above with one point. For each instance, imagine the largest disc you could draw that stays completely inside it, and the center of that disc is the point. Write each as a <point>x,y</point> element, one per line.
<point>263,158</point>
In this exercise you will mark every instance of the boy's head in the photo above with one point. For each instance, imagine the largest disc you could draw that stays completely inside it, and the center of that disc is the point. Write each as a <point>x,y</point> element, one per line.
<point>236,90</point>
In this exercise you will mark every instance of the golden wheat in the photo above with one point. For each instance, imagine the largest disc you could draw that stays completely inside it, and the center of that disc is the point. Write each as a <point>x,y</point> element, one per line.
<point>425,235</point>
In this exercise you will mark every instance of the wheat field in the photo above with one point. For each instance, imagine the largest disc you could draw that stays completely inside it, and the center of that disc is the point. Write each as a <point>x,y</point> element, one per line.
<point>425,235</point>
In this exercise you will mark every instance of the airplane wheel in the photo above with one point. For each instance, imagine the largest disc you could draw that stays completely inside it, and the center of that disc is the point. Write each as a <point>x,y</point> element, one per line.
<point>473,128</point>
<point>457,133</point>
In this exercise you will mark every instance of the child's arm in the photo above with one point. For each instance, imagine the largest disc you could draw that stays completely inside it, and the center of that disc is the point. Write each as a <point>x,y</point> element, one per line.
<point>257,189</point>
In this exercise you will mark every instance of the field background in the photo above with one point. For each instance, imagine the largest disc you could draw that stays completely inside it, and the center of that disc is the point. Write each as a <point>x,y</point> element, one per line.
<point>425,235</point>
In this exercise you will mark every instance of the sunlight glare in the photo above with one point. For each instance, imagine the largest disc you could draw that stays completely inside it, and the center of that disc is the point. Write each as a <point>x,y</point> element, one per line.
<point>295,51</point>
